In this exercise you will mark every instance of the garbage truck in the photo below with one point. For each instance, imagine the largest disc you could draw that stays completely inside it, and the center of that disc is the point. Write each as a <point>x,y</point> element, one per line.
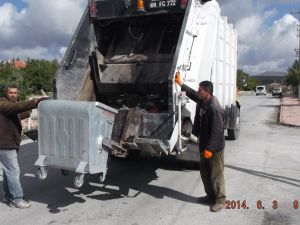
<point>124,56</point>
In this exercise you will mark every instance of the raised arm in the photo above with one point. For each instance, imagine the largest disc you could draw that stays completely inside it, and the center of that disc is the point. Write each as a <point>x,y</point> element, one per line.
<point>14,108</point>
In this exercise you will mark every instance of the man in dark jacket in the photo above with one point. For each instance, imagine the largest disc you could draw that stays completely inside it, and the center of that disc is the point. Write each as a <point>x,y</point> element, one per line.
<point>11,112</point>
<point>209,128</point>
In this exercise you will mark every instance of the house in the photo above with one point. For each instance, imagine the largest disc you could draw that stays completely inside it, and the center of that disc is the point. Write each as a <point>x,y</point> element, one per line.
<point>19,64</point>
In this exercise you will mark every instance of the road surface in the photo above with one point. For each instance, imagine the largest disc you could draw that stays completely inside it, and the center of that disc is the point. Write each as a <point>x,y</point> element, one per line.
<point>261,170</point>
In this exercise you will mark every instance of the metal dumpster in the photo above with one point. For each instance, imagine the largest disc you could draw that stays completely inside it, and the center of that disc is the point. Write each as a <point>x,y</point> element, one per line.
<point>74,136</point>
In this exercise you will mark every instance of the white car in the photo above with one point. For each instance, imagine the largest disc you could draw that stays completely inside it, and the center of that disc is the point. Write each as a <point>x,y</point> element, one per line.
<point>261,90</point>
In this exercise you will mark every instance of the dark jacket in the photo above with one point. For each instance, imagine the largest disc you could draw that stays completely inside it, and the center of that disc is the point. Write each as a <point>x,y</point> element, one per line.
<point>208,122</point>
<point>11,114</point>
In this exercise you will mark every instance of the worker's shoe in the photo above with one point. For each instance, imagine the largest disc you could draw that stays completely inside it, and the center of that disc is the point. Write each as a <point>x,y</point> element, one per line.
<point>23,204</point>
<point>207,200</point>
<point>217,207</point>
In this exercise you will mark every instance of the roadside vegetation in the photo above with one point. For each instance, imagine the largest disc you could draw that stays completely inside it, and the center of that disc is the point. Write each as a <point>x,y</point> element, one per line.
<point>293,77</point>
<point>245,82</point>
<point>37,75</point>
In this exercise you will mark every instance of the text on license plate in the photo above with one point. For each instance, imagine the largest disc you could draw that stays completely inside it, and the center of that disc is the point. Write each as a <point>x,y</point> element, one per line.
<point>161,4</point>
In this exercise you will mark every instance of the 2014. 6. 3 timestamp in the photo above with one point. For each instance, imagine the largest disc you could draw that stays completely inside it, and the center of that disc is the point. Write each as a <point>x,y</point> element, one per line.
<point>236,204</point>
<point>242,204</point>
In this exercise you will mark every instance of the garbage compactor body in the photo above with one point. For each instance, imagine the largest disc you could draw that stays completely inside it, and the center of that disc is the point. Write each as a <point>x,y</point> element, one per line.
<point>73,137</point>
<point>125,55</point>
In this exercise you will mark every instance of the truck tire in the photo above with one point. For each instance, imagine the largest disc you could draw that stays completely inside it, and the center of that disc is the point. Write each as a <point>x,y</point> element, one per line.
<point>233,134</point>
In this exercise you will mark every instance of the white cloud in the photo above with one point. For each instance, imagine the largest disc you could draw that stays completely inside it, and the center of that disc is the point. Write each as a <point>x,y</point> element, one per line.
<point>262,44</point>
<point>23,53</point>
<point>280,1</point>
<point>271,13</point>
<point>266,66</point>
<point>270,48</point>
<point>62,50</point>
<point>248,28</point>
<point>41,25</point>
<point>236,10</point>
<point>8,20</point>
<point>44,28</point>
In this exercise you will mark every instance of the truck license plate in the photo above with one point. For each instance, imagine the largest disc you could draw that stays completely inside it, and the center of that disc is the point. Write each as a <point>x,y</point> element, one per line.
<point>158,4</point>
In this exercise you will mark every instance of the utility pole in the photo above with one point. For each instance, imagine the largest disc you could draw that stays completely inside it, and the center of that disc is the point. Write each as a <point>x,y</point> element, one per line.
<point>298,29</point>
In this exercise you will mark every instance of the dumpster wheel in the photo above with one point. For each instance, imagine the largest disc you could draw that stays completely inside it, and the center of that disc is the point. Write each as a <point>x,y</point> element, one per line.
<point>78,180</point>
<point>41,173</point>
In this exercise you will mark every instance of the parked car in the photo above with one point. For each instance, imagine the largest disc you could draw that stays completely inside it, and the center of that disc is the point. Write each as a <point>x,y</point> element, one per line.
<point>261,90</point>
<point>277,92</point>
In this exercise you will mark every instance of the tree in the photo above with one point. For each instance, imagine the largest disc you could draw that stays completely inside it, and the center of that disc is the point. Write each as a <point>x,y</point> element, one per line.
<point>245,82</point>
<point>252,83</point>
<point>241,79</point>
<point>9,74</point>
<point>293,77</point>
<point>39,74</point>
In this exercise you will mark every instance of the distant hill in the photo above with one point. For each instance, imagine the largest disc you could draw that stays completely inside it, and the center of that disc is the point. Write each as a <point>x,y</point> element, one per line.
<point>270,77</point>
<point>271,73</point>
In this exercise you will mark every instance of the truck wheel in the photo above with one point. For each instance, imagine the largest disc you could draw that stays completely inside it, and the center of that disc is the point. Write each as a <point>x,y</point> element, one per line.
<point>78,180</point>
<point>41,173</point>
<point>233,134</point>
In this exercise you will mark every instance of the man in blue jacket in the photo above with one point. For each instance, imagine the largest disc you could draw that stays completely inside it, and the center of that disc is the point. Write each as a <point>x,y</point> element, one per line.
<point>209,128</point>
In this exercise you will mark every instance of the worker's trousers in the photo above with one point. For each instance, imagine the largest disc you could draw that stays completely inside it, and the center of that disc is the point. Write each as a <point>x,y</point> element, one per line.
<point>212,174</point>
<point>11,175</point>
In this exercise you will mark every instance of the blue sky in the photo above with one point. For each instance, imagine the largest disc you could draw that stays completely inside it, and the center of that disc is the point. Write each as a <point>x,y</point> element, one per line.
<point>43,28</point>
<point>18,3</point>
<point>282,9</point>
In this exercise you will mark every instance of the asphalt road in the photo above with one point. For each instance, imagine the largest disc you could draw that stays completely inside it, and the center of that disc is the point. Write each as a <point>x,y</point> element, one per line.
<point>261,169</point>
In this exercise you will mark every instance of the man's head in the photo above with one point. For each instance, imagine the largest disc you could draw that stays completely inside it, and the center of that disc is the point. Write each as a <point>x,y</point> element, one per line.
<point>205,90</point>
<point>11,92</point>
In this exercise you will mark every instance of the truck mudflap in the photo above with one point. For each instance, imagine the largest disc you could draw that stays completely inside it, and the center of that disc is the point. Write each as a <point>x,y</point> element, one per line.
<point>74,136</point>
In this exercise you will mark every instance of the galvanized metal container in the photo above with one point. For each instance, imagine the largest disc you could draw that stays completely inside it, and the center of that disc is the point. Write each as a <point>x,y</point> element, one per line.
<point>73,135</point>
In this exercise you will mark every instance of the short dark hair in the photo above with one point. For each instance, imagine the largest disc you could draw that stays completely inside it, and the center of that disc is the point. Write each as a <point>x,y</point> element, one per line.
<point>207,86</point>
<point>10,85</point>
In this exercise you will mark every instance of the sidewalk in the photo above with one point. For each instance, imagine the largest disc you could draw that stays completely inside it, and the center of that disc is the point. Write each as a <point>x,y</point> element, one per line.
<point>290,111</point>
